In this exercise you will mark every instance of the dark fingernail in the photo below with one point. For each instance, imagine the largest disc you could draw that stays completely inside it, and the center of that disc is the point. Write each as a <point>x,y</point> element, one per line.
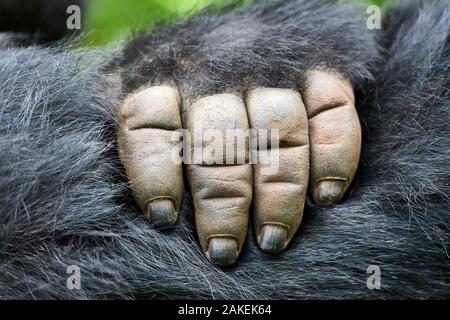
<point>222,251</point>
<point>273,239</point>
<point>329,192</point>
<point>161,213</point>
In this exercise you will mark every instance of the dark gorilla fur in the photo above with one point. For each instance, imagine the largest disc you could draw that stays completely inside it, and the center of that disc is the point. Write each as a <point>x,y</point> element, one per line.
<point>65,201</point>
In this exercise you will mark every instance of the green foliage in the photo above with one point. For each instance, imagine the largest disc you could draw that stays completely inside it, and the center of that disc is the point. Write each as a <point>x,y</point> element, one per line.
<point>112,20</point>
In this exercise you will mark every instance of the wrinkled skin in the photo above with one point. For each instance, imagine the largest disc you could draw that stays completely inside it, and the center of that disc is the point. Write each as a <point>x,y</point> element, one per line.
<point>317,148</point>
<point>224,73</point>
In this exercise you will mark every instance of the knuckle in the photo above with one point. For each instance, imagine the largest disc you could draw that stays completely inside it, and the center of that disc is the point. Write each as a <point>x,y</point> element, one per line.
<point>219,128</point>
<point>281,110</point>
<point>155,107</point>
<point>326,91</point>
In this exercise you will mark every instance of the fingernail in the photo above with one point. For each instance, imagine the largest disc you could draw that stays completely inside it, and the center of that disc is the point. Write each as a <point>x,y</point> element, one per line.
<point>329,192</point>
<point>222,251</point>
<point>273,239</point>
<point>161,213</point>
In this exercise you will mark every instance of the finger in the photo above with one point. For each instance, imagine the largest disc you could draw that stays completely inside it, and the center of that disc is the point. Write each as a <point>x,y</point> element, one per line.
<point>335,135</point>
<point>281,185</point>
<point>221,190</point>
<point>146,138</point>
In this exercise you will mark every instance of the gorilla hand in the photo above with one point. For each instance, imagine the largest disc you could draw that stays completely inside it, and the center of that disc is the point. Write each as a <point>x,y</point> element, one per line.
<point>281,69</point>
<point>319,141</point>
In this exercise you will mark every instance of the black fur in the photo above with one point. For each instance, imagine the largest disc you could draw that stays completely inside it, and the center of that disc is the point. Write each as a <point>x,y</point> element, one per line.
<point>262,45</point>
<point>64,198</point>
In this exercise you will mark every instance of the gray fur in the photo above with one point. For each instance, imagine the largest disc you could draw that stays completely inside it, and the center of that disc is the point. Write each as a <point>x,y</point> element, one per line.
<point>65,201</point>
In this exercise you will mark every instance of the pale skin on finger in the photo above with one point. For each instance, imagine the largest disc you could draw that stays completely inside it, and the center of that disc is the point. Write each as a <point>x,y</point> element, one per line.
<point>279,195</point>
<point>221,192</point>
<point>335,135</point>
<point>147,122</point>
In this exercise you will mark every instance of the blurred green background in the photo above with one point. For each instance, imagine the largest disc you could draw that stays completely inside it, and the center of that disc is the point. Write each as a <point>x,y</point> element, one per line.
<point>114,20</point>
